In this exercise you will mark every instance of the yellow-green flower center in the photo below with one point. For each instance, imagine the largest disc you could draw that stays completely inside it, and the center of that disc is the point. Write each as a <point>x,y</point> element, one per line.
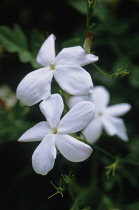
<point>100,114</point>
<point>52,66</point>
<point>54,131</point>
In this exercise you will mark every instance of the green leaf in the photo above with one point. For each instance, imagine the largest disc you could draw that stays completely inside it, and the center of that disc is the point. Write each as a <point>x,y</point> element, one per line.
<point>7,40</point>
<point>25,56</point>
<point>19,37</point>
<point>15,41</point>
<point>36,40</point>
<point>80,6</point>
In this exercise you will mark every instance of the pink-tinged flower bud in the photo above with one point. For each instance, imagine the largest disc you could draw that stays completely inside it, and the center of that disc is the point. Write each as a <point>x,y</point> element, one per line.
<point>88,43</point>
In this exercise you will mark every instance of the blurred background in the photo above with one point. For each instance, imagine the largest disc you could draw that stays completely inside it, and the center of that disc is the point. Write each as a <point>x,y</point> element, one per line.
<point>24,25</point>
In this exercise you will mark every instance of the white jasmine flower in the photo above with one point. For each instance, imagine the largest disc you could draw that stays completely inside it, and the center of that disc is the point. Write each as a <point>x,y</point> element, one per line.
<point>55,133</point>
<point>106,116</point>
<point>65,68</point>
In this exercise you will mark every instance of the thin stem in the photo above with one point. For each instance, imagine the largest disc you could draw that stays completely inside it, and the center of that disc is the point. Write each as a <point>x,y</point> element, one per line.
<point>129,162</point>
<point>80,198</point>
<point>96,147</point>
<point>119,72</point>
<point>90,9</point>
<point>103,151</point>
<point>111,156</point>
<point>99,69</point>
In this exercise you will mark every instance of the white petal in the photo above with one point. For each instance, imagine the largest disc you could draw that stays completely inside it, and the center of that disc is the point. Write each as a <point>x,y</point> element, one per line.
<point>72,149</point>
<point>75,56</point>
<point>52,109</point>
<point>73,79</point>
<point>44,156</point>
<point>77,118</point>
<point>118,109</point>
<point>100,97</point>
<point>46,54</point>
<point>118,123</point>
<point>35,86</point>
<point>36,133</point>
<point>73,100</point>
<point>93,131</point>
<point>108,126</point>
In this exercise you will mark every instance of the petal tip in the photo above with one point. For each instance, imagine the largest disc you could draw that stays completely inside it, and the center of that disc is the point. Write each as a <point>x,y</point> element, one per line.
<point>90,151</point>
<point>20,139</point>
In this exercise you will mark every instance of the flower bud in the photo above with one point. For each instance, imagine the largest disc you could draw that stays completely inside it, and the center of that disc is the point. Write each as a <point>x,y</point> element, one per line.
<point>87,45</point>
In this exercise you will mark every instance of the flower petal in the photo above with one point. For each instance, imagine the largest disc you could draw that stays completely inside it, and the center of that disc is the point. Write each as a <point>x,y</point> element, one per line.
<point>73,79</point>
<point>52,109</point>
<point>44,156</point>
<point>108,126</point>
<point>77,118</point>
<point>75,56</point>
<point>93,131</point>
<point>73,100</point>
<point>100,97</point>
<point>35,86</point>
<point>119,126</point>
<point>36,133</point>
<point>46,54</point>
<point>118,109</point>
<point>72,149</point>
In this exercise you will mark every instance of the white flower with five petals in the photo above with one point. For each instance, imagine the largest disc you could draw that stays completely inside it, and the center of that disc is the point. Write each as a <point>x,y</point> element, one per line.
<point>55,133</point>
<point>65,68</point>
<point>106,116</point>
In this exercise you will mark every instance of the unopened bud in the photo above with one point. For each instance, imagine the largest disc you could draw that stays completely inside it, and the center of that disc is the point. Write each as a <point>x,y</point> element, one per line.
<point>87,45</point>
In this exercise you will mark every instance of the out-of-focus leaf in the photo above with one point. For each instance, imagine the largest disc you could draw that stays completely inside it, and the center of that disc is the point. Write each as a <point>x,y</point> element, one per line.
<point>36,40</point>
<point>133,206</point>
<point>79,5</point>
<point>13,122</point>
<point>72,42</point>
<point>15,41</point>
<point>134,77</point>
<point>19,37</point>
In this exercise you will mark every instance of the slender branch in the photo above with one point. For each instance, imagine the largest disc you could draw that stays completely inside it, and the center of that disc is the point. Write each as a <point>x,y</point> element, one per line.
<point>119,72</point>
<point>129,162</point>
<point>103,151</point>
<point>90,9</point>
<point>99,69</point>
<point>96,147</point>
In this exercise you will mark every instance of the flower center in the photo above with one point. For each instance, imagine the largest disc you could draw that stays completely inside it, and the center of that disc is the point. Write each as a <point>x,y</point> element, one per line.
<point>100,114</point>
<point>54,131</point>
<point>52,66</point>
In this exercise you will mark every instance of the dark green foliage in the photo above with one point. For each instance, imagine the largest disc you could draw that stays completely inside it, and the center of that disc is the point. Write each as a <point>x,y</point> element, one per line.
<point>15,41</point>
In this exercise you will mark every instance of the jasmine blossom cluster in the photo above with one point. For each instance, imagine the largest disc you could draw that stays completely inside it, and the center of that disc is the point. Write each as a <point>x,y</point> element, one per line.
<point>88,106</point>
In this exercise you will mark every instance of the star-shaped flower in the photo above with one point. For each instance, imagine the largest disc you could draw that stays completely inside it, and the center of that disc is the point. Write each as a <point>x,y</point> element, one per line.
<point>55,133</point>
<point>106,116</point>
<point>65,68</point>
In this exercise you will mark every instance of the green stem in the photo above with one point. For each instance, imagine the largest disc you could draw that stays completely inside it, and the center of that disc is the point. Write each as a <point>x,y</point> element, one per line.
<point>103,151</point>
<point>80,198</point>
<point>96,147</point>
<point>90,9</point>
<point>129,162</point>
<point>99,69</point>
<point>119,72</point>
